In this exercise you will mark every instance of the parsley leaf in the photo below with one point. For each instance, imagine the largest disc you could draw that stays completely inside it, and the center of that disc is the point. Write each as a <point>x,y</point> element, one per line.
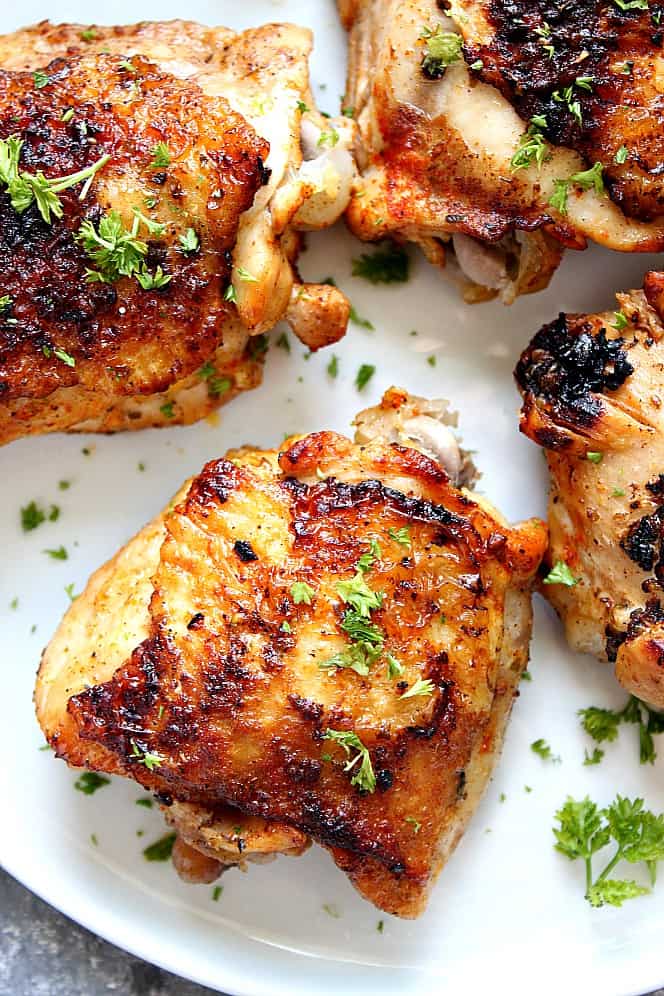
<point>364,777</point>
<point>302,593</point>
<point>357,593</point>
<point>59,553</point>
<point>561,574</point>
<point>603,725</point>
<point>364,375</point>
<point>401,536</point>
<point>90,781</point>
<point>149,759</point>
<point>423,686</point>
<point>189,242</point>
<point>25,189</point>
<point>637,833</point>
<point>161,156</point>
<point>161,849</point>
<point>543,750</point>
<point>442,49</point>
<point>390,264</point>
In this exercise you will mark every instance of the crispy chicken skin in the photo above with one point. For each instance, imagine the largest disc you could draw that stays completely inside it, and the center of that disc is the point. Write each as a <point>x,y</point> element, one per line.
<point>206,646</point>
<point>436,144</point>
<point>242,170</point>
<point>592,397</point>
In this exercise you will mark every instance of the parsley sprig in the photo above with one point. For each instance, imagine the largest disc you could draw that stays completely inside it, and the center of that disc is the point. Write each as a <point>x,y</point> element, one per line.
<point>389,264</point>
<point>584,830</point>
<point>364,776</point>
<point>24,188</point>
<point>442,49</point>
<point>118,252</point>
<point>603,725</point>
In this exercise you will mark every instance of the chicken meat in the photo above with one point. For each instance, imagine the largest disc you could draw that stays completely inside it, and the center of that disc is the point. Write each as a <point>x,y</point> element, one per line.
<point>317,644</point>
<point>154,182</point>
<point>497,133</point>
<point>592,397</point>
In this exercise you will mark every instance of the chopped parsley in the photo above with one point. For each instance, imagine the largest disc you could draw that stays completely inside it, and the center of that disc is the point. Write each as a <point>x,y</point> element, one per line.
<point>416,825</point>
<point>357,657</point>
<point>283,342</point>
<point>161,849</point>
<point>638,835</point>
<point>621,156</point>
<point>146,802</point>
<point>620,322</point>
<point>586,179</point>
<point>24,189</point>
<point>229,294</point>
<point>302,593</point>
<point>32,515</point>
<point>59,553</point>
<point>333,366</point>
<point>401,536</point>
<point>542,749</point>
<point>245,275</point>
<point>368,559</point>
<point>90,781</point>
<point>149,759</point>
<point>594,758</point>
<point>302,107</point>
<point>69,592</point>
<point>442,49</point>
<point>167,409</point>
<point>118,252</point>
<point>603,725</point>
<point>394,667</point>
<point>423,686</point>
<point>6,303</point>
<point>65,357</point>
<point>364,375</point>
<point>389,264</point>
<point>161,156</point>
<point>41,79</point>
<point>631,4</point>
<point>532,147</point>
<point>357,319</point>
<point>216,893</point>
<point>328,138</point>
<point>218,386</point>
<point>331,911</point>
<point>357,593</point>
<point>594,456</point>
<point>560,573</point>
<point>153,281</point>
<point>364,777</point>
<point>88,35</point>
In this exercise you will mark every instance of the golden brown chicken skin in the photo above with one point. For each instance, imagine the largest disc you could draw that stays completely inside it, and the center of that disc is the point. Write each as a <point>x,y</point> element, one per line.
<point>592,397</point>
<point>132,301</point>
<point>63,327</point>
<point>476,116</point>
<point>334,638</point>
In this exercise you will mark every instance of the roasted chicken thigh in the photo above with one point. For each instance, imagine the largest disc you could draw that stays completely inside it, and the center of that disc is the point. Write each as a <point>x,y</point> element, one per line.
<point>592,397</point>
<point>327,639</point>
<point>505,131</point>
<point>153,183</point>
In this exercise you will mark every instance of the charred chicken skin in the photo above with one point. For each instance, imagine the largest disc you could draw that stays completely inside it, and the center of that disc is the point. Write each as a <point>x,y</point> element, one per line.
<point>153,182</point>
<point>506,131</point>
<point>327,639</point>
<point>592,397</point>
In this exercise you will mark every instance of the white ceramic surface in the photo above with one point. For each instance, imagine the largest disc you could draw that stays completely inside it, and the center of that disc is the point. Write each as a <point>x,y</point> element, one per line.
<point>508,914</point>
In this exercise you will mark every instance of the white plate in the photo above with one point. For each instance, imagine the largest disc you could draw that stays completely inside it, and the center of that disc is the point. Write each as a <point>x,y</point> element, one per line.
<point>508,913</point>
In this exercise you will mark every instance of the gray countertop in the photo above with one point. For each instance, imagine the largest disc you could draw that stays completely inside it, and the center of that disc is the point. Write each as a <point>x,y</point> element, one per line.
<point>43,953</point>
